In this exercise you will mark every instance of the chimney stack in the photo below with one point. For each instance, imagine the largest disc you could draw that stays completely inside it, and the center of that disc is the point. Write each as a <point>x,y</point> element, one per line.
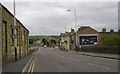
<point>72,30</point>
<point>104,30</point>
<point>111,30</point>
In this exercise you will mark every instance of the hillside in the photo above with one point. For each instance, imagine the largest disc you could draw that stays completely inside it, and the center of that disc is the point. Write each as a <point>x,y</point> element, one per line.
<point>44,37</point>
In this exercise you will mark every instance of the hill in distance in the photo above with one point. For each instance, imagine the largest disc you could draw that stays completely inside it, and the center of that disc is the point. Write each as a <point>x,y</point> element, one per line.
<point>45,37</point>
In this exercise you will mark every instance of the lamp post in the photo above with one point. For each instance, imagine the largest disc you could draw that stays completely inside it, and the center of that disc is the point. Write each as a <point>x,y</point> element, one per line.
<point>75,26</point>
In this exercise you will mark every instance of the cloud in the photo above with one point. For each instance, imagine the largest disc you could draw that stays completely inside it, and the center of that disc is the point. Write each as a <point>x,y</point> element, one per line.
<point>51,18</point>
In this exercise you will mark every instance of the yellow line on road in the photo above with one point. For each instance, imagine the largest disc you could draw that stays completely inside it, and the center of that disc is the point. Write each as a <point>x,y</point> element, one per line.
<point>29,70</point>
<point>32,66</point>
<point>32,70</point>
<point>27,64</point>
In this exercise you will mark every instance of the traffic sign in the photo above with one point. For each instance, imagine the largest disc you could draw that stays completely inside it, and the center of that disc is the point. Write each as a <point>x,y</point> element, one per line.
<point>15,36</point>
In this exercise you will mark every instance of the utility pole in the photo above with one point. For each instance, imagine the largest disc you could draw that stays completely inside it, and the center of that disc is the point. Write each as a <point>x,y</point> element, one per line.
<point>15,46</point>
<point>75,27</point>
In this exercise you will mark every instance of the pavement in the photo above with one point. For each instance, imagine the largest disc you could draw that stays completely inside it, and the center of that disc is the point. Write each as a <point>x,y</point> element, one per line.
<point>101,55</point>
<point>16,66</point>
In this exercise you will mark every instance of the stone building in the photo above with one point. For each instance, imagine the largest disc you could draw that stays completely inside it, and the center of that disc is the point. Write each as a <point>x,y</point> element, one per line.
<point>106,34</point>
<point>7,32</point>
<point>87,36</point>
<point>72,39</point>
<point>65,40</point>
<point>0,41</point>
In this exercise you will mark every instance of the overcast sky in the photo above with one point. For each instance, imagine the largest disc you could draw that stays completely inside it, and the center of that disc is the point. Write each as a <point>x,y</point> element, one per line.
<point>51,18</point>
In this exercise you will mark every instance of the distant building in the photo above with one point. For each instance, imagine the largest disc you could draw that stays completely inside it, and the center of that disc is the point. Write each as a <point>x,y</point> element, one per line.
<point>86,36</point>
<point>72,39</point>
<point>106,34</point>
<point>65,40</point>
<point>6,37</point>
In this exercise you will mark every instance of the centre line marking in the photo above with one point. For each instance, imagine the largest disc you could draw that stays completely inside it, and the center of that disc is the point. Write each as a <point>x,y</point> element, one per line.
<point>68,58</point>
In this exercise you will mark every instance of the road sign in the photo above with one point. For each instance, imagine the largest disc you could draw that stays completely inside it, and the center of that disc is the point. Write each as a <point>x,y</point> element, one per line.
<point>15,27</point>
<point>15,36</point>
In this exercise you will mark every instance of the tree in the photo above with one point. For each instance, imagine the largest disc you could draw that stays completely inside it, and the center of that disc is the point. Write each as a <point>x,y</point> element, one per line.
<point>44,41</point>
<point>53,41</point>
<point>31,41</point>
<point>113,40</point>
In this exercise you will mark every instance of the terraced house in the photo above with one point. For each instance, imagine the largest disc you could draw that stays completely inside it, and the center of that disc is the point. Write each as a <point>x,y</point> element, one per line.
<point>67,40</point>
<point>7,40</point>
<point>86,36</point>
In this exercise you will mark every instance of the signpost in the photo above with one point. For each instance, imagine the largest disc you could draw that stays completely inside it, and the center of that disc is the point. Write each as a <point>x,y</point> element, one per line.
<point>15,36</point>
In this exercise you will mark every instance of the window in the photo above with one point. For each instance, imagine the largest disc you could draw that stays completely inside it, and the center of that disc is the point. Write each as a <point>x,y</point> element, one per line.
<point>5,33</point>
<point>12,32</point>
<point>72,42</point>
<point>17,30</point>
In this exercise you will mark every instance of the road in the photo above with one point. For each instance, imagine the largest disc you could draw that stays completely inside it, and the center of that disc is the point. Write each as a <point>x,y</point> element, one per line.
<point>55,60</point>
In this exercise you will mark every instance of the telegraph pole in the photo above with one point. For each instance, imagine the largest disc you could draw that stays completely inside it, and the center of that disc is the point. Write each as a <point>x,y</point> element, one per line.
<point>75,27</point>
<point>15,46</point>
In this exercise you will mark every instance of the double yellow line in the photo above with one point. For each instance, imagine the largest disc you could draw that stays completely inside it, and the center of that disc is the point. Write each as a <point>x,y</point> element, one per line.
<point>29,68</point>
<point>32,66</point>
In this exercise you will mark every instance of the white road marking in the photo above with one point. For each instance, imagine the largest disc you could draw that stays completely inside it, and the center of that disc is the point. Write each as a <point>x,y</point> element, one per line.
<point>99,65</point>
<point>88,63</point>
<point>68,58</point>
<point>73,59</point>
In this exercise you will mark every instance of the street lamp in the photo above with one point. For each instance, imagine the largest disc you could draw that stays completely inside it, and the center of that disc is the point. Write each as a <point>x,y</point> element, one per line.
<point>75,25</point>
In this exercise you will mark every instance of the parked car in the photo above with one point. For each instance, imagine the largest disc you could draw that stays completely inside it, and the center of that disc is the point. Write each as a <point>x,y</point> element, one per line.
<point>45,46</point>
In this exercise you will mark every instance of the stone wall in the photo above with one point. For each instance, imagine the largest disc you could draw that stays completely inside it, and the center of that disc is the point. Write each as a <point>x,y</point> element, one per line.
<point>0,38</point>
<point>8,41</point>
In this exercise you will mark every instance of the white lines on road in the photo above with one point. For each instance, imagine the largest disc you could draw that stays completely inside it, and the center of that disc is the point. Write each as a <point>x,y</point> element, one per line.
<point>68,58</point>
<point>86,63</point>
<point>98,65</point>
<point>74,59</point>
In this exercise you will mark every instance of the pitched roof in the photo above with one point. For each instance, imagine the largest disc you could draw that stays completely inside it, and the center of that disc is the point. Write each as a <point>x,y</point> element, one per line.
<point>13,16</point>
<point>83,27</point>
